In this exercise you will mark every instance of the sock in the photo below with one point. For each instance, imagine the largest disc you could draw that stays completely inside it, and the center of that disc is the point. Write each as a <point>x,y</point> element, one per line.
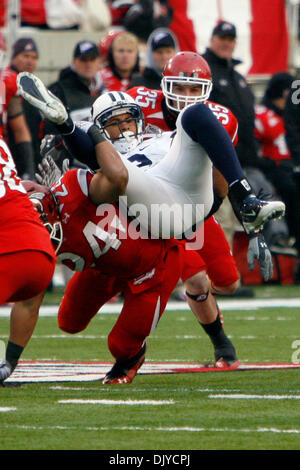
<point>213,329</point>
<point>13,353</point>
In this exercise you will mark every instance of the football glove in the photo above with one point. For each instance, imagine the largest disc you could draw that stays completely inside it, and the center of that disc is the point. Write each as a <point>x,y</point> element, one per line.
<point>53,145</point>
<point>49,171</point>
<point>258,250</point>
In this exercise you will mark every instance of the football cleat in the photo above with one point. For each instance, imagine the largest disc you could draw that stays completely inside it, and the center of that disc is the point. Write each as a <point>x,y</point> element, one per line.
<point>32,89</point>
<point>225,355</point>
<point>123,372</point>
<point>256,212</point>
<point>227,365</point>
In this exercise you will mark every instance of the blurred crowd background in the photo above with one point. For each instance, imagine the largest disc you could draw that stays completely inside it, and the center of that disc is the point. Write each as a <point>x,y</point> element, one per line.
<point>81,48</point>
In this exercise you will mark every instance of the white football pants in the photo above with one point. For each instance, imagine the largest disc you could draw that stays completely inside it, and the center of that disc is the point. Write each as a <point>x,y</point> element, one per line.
<point>175,194</point>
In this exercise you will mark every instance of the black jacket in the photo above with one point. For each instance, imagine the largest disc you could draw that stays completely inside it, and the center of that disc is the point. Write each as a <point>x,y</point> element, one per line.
<point>231,90</point>
<point>291,116</point>
<point>75,93</point>
<point>149,78</point>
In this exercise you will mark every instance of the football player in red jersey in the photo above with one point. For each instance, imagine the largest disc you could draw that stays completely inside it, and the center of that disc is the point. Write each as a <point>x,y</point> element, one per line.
<point>27,259</point>
<point>183,174</point>
<point>187,80</point>
<point>93,238</point>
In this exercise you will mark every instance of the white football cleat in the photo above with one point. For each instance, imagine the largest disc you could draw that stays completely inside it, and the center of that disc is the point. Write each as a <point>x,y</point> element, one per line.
<point>32,89</point>
<point>256,213</point>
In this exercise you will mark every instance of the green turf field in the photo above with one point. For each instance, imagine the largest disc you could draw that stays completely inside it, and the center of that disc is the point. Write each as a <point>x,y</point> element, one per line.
<point>240,410</point>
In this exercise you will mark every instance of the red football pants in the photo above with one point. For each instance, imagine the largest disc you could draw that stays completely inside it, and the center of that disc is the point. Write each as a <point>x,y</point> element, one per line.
<point>215,257</point>
<point>24,274</point>
<point>89,290</point>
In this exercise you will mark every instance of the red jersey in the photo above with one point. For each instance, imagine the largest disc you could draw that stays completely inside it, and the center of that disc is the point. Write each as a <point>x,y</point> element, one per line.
<point>270,131</point>
<point>98,236</point>
<point>215,254</point>
<point>20,226</point>
<point>151,104</point>
<point>113,83</point>
<point>9,89</point>
<point>9,77</point>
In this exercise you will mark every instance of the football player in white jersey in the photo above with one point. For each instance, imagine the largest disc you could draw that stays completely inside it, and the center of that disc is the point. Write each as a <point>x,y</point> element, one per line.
<point>182,179</point>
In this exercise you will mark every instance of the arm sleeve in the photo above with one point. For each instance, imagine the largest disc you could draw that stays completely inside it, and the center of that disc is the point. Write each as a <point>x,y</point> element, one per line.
<point>80,145</point>
<point>203,127</point>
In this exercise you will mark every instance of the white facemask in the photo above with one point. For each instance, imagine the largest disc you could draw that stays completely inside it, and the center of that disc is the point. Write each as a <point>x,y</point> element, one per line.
<point>127,143</point>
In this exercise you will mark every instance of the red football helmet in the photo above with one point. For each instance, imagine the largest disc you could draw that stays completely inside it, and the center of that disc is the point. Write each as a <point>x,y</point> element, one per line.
<point>45,203</point>
<point>186,68</point>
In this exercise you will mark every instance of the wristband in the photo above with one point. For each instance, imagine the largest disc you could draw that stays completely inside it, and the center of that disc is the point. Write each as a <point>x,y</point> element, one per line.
<point>96,135</point>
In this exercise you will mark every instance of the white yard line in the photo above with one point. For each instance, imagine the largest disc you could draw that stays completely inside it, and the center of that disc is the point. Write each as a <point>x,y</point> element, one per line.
<point>116,402</point>
<point>246,304</point>
<point>157,429</point>
<point>242,396</point>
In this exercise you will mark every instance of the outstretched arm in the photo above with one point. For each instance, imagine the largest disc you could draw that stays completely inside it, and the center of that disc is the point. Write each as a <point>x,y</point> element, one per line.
<point>111,181</point>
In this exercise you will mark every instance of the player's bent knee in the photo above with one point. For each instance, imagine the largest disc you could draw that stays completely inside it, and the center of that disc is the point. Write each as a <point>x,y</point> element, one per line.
<point>68,326</point>
<point>228,290</point>
<point>197,283</point>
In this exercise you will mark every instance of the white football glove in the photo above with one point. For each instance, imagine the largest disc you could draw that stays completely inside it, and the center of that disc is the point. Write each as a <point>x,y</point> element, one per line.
<point>258,250</point>
<point>49,171</point>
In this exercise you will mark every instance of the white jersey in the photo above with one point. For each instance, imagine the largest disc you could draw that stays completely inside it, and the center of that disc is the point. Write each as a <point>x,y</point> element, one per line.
<point>174,191</point>
<point>151,151</point>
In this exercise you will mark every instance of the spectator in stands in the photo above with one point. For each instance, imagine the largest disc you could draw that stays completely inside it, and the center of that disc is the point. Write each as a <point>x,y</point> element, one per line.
<point>105,43</point>
<point>13,122</point>
<point>161,46</point>
<point>25,59</point>
<point>291,116</point>
<point>79,84</point>
<point>276,160</point>
<point>123,62</point>
<point>183,25</point>
<point>141,17</point>
<point>50,14</point>
<point>231,89</point>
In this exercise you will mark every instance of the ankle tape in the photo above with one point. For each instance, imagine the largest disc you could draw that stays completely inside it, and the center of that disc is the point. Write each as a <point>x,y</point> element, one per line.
<point>197,297</point>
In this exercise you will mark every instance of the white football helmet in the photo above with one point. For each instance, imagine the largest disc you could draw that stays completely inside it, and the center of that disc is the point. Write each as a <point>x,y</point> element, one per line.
<point>112,104</point>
